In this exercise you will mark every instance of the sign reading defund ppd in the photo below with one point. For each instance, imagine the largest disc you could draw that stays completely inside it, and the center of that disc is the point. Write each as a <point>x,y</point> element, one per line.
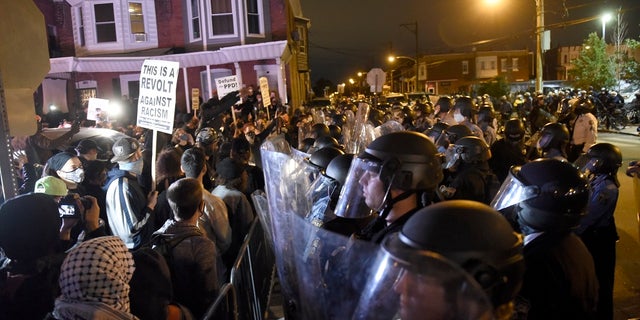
<point>157,102</point>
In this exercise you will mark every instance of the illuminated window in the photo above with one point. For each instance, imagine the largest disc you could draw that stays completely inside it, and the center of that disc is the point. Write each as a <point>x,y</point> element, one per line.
<point>105,23</point>
<point>465,67</point>
<point>136,18</point>
<point>514,62</point>
<point>503,64</point>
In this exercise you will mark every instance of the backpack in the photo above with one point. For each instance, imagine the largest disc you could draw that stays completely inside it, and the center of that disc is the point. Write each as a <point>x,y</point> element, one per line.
<point>151,285</point>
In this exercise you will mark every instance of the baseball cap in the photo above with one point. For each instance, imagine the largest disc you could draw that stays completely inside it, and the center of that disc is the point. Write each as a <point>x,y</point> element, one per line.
<point>124,148</point>
<point>51,185</point>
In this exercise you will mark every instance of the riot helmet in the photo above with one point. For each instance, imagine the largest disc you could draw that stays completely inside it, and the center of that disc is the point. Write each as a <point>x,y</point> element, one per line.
<point>206,136</point>
<point>485,249</point>
<point>320,130</point>
<point>472,149</point>
<point>455,132</point>
<point>437,134</point>
<point>321,158</point>
<point>550,194</point>
<point>553,136</point>
<point>338,168</point>
<point>403,160</point>
<point>335,131</point>
<point>306,144</point>
<point>325,141</point>
<point>485,246</point>
<point>514,130</point>
<point>603,158</point>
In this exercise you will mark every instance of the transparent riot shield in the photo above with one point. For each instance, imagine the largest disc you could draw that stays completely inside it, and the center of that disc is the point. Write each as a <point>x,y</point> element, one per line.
<point>276,143</point>
<point>387,127</point>
<point>318,116</point>
<point>359,131</point>
<point>318,280</point>
<point>405,283</point>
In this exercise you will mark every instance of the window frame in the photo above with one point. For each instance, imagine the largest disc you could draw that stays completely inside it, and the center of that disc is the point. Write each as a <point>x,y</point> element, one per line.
<point>465,66</point>
<point>234,22</point>
<point>260,14</point>
<point>191,18</point>
<point>96,23</point>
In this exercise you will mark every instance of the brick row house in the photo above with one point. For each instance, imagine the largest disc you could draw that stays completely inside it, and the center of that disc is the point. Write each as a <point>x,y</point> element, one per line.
<point>97,47</point>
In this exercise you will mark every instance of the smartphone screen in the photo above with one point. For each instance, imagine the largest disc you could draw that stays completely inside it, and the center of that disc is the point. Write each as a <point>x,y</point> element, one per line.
<point>67,210</point>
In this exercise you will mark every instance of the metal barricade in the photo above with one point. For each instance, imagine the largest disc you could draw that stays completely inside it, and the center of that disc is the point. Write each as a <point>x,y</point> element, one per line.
<point>225,307</point>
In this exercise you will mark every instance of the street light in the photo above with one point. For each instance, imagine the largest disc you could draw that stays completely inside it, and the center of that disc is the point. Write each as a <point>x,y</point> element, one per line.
<point>605,18</point>
<point>392,59</point>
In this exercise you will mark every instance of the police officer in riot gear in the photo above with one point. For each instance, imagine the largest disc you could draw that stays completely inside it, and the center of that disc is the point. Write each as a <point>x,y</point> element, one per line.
<point>426,273</point>
<point>598,228</point>
<point>550,198</point>
<point>553,141</point>
<point>470,172</point>
<point>508,151</point>
<point>390,176</point>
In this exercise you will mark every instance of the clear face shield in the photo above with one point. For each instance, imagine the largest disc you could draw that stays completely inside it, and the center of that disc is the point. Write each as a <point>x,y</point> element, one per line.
<point>452,156</point>
<point>320,192</point>
<point>513,191</point>
<point>363,190</point>
<point>405,283</point>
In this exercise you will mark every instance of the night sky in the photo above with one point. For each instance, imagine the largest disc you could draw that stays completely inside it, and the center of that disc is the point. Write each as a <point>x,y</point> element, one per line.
<point>347,36</point>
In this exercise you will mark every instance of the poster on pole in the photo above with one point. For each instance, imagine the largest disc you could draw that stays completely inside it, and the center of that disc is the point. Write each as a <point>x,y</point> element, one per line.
<point>157,102</point>
<point>96,109</point>
<point>225,85</point>
<point>264,91</point>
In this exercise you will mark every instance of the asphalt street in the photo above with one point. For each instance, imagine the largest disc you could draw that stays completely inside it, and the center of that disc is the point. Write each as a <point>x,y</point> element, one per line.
<point>627,277</point>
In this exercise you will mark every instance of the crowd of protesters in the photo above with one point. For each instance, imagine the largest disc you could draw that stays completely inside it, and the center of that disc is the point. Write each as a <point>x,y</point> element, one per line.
<point>205,173</point>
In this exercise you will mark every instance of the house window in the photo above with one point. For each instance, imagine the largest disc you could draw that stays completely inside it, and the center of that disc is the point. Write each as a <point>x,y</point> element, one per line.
<point>302,42</point>
<point>136,18</point>
<point>514,62</point>
<point>195,19</point>
<point>503,64</point>
<point>483,65</point>
<point>253,17</point>
<point>465,67</point>
<point>492,65</point>
<point>221,17</point>
<point>565,58</point>
<point>81,28</point>
<point>105,23</point>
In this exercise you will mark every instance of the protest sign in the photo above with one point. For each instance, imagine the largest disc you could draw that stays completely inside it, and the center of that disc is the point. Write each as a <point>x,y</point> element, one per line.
<point>225,85</point>
<point>157,101</point>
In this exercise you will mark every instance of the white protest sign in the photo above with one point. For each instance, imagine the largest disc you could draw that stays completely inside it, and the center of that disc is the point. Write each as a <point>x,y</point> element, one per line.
<point>96,108</point>
<point>157,102</point>
<point>264,91</point>
<point>225,85</point>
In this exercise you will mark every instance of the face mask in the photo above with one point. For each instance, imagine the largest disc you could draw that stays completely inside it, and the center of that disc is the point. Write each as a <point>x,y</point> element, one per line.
<point>76,175</point>
<point>133,167</point>
<point>458,117</point>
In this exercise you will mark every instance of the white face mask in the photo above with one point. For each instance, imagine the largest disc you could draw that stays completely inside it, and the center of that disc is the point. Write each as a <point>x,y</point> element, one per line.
<point>458,117</point>
<point>133,167</point>
<point>76,175</point>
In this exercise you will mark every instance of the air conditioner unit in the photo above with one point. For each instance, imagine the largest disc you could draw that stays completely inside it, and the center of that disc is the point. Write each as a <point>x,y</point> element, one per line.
<point>139,37</point>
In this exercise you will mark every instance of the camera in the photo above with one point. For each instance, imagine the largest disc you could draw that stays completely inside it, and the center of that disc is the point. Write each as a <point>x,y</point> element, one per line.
<point>68,207</point>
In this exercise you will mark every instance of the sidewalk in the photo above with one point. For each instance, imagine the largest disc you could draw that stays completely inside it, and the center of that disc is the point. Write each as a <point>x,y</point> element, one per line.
<point>629,130</point>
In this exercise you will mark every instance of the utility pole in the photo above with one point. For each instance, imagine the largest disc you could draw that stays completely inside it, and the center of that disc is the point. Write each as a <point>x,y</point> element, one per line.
<point>539,31</point>
<point>413,28</point>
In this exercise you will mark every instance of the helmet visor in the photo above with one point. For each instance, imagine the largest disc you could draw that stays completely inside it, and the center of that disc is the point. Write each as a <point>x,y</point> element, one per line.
<point>361,190</point>
<point>405,283</point>
<point>513,191</point>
